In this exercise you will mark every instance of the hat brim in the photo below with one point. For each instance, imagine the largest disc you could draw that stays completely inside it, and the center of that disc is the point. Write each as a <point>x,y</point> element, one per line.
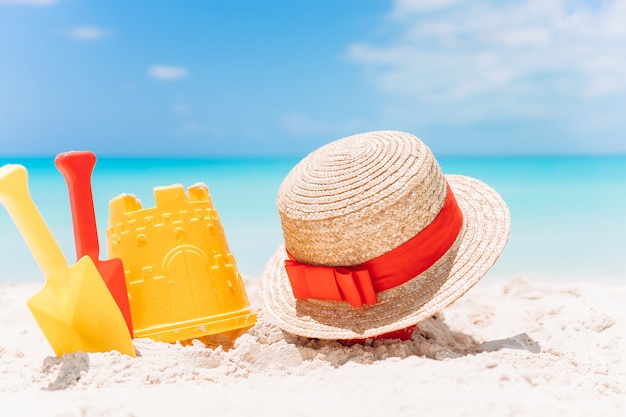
<point>485,232</point>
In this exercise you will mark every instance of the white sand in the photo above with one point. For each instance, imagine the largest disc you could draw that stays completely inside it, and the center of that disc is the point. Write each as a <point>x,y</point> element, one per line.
<point>520,349</point>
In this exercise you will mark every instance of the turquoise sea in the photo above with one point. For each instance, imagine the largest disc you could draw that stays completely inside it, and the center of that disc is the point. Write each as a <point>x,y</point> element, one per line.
<point>568,212</point>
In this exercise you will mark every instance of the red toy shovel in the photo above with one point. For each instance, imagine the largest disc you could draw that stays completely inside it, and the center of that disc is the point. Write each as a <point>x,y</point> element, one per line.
<point>76,168</point>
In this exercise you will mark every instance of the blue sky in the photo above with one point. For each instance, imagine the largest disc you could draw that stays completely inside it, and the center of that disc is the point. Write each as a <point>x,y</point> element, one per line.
<point>284,77</point>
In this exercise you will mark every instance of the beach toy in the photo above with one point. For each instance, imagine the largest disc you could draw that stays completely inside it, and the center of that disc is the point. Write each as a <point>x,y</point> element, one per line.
<point>76,168</point>
<point>74,309</point>
<point>182,280</point>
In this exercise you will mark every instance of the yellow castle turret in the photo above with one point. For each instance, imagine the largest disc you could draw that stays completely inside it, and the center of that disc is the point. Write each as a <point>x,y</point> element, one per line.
<point>182,279</point>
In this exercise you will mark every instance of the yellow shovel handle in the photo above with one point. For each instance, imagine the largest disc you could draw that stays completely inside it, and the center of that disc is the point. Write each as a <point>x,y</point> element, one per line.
<point>14,195</point>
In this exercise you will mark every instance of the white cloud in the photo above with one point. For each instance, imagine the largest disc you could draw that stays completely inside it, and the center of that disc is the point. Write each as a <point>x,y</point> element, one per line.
<point>29,2</point>
<point>167,72</point>
<point>527,36</point>
<point>528,53</point>
<point>89,33</point>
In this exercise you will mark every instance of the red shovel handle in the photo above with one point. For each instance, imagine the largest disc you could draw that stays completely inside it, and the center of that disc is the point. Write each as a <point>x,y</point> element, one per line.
<point>76,167</point>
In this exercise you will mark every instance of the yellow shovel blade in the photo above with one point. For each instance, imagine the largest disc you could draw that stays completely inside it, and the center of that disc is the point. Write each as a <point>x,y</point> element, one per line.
<point>87,319</point>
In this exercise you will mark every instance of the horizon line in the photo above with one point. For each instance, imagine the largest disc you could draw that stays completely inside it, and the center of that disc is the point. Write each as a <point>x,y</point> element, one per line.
<point>302,155</point>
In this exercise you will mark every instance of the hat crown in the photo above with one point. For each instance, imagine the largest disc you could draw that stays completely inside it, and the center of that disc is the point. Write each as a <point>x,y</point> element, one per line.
<point>359,197</point>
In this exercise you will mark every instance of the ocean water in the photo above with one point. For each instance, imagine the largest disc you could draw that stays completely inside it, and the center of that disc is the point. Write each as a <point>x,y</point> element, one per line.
<point>567,212</point>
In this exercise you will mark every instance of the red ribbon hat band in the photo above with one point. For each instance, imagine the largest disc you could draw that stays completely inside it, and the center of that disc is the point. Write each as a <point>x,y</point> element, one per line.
<point>359,284</point>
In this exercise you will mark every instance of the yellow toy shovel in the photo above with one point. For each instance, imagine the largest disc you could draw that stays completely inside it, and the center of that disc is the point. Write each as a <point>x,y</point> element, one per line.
<point>74,309</point>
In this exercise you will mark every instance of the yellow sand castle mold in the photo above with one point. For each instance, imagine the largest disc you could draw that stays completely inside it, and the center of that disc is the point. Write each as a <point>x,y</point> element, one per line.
<point>182,280</point>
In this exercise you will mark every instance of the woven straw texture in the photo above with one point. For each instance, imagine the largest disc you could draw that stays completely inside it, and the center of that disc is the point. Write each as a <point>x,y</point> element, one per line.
<point>360,197</point>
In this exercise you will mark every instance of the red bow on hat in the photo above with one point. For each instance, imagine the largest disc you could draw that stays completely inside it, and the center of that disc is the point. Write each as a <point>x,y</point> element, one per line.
<point>359,284</point>
<point>331,283</point>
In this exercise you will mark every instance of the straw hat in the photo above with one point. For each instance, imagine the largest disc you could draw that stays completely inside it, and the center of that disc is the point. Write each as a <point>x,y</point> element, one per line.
<point>373,202</point>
